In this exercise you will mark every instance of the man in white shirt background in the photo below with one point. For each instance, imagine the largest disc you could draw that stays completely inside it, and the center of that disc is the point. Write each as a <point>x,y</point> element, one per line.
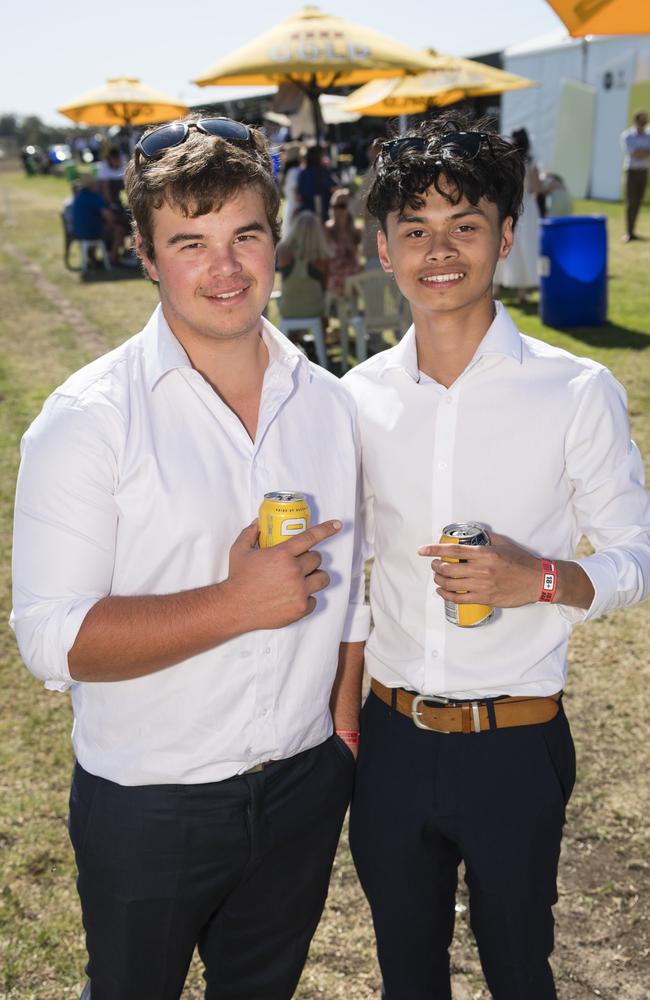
<point>635,142</point>
<point>209,791</point>
<point>465,750</point>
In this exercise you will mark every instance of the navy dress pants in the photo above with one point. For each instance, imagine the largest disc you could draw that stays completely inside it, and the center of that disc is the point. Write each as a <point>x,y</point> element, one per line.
<point>238,867</point>
<point>424,801</point>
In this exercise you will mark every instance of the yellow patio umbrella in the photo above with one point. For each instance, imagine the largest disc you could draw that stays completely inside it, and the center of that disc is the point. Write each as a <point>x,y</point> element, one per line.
<point>316,51</point>
<point>454,80</point>
<point>603,17</point>
<point>123,100</point>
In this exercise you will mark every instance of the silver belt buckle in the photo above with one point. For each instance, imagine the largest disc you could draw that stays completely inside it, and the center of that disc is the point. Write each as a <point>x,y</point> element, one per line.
<point>415,713</point>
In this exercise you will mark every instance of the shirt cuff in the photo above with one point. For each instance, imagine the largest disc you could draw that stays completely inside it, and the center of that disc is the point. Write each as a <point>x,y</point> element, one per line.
<point>604,582</point>
<point>357,623</point>
<point>46,653</point>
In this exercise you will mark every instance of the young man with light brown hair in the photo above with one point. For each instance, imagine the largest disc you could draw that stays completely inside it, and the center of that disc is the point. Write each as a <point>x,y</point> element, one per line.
<point>209,789</point>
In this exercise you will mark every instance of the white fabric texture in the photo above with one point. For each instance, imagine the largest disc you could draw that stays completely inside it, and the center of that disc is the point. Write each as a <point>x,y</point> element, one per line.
<point>136,479</point>
<point>529,441</point>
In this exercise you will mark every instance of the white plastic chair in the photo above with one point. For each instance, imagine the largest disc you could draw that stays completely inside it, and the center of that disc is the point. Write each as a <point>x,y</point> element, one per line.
<point>385,308</point>
<point>86,245</point>
<point>312,325</point>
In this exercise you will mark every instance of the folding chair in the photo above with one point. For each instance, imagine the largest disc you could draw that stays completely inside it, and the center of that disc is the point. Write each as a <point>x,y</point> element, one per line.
<point>312,325</point>
<point>385,308</point>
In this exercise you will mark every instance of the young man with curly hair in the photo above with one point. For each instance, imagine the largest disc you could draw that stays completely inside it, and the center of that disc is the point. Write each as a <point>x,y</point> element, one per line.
<point>466,753</point>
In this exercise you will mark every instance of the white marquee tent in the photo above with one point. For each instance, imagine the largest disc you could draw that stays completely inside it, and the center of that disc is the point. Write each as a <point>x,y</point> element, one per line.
<point>587,90</point>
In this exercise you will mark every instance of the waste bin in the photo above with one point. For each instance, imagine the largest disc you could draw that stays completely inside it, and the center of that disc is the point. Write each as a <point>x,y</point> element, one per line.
<point>573,270</point>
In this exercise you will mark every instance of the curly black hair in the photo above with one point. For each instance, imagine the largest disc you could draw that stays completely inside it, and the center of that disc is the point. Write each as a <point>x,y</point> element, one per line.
<point>492,167</point>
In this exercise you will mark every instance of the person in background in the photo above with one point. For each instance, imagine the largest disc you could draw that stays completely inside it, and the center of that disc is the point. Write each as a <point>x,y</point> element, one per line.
<point>635,142</point>
<point>110,175</point>
<point>215,722</point>
<point>303,260</point>
<point>518,272</point>
<point>92,219</point>
<point>553,199</point>
<point>343,239</point>
<point>370,225</point>
<point>291,152</point>
<point>315,184</point>
<point>465,751</point>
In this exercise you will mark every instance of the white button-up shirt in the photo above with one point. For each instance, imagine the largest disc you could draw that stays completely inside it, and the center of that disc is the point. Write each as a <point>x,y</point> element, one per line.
<point>136,479</point>
<point>534,444</point>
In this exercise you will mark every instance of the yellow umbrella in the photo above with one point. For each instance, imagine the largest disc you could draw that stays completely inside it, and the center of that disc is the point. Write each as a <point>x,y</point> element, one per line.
<point>123,100</point>
<point>316,51</point>
<point>454,80</point>
<point>603,17</point>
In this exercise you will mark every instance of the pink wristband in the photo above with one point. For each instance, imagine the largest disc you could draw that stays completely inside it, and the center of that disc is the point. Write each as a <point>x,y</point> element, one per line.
<point>549,581</point>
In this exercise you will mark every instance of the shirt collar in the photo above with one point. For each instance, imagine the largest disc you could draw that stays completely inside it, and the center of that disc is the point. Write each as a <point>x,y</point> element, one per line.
<point>502,338</point>
<point>163,352</point>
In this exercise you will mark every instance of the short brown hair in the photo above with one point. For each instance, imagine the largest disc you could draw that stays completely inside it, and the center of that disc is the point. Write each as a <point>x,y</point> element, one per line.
<point>199,176</point>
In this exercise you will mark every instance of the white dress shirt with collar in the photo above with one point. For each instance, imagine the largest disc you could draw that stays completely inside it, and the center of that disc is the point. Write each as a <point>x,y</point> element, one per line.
<point>136,479</point>
<point>531,442</point>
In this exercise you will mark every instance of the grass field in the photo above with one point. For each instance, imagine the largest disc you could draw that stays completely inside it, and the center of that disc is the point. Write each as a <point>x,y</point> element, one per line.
<point>50,324</point>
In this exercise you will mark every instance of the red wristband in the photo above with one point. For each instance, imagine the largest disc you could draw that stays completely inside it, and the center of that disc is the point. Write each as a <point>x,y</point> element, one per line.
<point>549,581</point>
<point>352,736</point>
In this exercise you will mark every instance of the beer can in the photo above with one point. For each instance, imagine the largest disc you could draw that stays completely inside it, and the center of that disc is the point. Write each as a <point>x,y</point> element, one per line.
<point>466,615</point>
<point>282,515</point>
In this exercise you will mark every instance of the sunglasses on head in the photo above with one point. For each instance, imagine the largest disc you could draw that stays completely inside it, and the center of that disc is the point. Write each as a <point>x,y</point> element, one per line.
<point>174,133</point>
<point>464,144</point>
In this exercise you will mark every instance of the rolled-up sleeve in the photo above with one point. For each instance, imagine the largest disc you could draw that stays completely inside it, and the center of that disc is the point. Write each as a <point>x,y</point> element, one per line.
<point>610,500</point>
<point>64,531</point>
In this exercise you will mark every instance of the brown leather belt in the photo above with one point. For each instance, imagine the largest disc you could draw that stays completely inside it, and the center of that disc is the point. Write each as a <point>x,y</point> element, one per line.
<point>447,716</point>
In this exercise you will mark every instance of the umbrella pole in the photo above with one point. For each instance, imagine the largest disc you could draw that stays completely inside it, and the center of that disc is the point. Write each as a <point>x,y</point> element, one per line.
<point>313,92</point>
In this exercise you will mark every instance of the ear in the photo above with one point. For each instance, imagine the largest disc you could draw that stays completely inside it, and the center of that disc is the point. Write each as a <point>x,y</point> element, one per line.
<point>507,236</point>
<point>149,265</point>
<point>382,249</point>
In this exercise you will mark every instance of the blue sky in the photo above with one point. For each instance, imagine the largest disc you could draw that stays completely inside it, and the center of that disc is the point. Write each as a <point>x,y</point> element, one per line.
<point>52,52</point>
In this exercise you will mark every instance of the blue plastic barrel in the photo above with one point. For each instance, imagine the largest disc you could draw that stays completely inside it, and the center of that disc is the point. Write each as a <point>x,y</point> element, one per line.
<point>573,270</point>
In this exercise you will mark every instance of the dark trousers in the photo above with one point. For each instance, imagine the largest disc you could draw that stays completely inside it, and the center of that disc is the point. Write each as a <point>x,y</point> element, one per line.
<point>238,867</point>
<point>423,802</point>
<point>636,181</point>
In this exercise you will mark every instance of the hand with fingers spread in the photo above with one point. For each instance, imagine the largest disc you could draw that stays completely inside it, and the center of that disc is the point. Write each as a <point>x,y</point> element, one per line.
<point>273,587</point>
<point>501,574</point>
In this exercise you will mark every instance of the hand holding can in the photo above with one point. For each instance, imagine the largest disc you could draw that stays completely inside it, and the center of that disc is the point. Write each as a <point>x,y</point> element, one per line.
<point>465,615</point>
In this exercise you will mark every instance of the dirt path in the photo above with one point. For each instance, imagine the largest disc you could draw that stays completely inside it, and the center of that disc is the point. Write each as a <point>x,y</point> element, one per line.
<point>90,338</point>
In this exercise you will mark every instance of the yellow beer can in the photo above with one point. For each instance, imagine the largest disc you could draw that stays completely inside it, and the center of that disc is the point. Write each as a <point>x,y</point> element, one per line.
<point>282,515</point>
<point>466,615</point>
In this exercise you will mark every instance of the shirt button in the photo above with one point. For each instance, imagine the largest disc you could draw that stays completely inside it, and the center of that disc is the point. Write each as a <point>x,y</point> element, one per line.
<point>442,465</point>
<point>449,400</point>
<point>267,650</point>
<point>434,654</point>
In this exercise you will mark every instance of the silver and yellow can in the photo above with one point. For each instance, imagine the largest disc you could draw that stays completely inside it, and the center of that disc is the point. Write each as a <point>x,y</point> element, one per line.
<point>282,515</point>
<point>466,615</point>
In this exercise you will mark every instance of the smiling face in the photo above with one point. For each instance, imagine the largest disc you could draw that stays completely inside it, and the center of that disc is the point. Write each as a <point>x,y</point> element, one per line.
<point>443,255</point>
<point>215,272</point>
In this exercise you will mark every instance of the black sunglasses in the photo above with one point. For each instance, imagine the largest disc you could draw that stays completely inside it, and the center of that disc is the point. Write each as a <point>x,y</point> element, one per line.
<point>174,133</point>
<point>465,144</point>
